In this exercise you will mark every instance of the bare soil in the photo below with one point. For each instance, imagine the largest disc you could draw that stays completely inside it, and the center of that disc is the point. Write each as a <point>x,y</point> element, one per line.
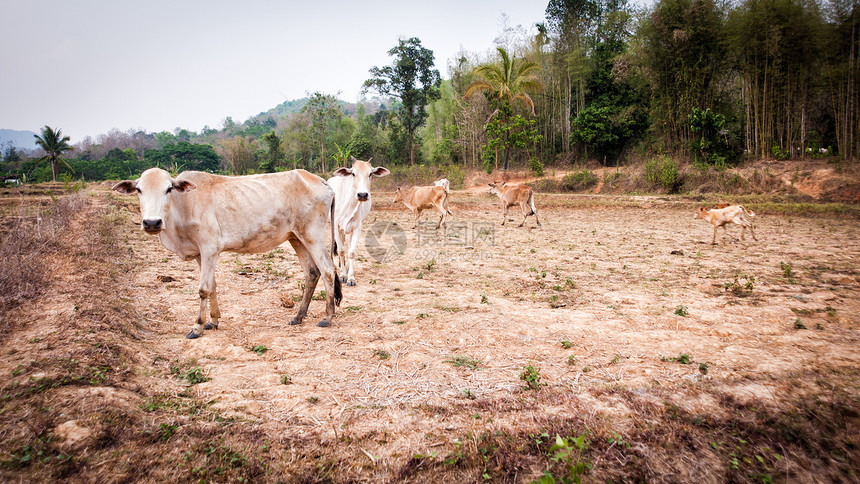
<point>678,360</point>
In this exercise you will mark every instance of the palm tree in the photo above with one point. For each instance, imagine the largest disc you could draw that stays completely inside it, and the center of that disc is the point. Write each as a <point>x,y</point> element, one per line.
<point>54,144</point>
<point>506,81</point>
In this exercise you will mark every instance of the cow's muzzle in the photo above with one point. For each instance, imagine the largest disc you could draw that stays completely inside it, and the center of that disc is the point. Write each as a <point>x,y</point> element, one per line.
<point>363,196</point>
<point>152,226</point>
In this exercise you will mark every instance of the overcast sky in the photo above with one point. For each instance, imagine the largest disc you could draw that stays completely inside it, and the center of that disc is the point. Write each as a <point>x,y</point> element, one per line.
<point>88,66</point>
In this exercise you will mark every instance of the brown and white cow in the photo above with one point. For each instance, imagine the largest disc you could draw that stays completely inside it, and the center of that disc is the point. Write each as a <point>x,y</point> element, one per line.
<point>418,199</point>
<point>511,195</point>
<point>199,215</point>
<point>352,195</point>
<point>719,217</point>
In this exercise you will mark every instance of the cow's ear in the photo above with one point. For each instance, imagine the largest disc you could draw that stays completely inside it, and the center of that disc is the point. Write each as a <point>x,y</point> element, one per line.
<point>126,186</point>
<point>184,186</point>
<point>343,171</point>
<point>380,171</point>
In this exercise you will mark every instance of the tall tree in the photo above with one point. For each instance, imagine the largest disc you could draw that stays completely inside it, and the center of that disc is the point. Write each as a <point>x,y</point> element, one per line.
<point>322,109</point>
<point>54,144</point>
<point>411,79</point>
<point>504,82</point>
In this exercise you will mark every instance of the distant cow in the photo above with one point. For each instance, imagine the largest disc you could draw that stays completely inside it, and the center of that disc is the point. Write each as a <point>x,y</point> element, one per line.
<point>719,217</point>
<point>444,183</point>
<point>511,195</point>
<point>422,198</point>
<point>199,215</point>
<point>352,196</point>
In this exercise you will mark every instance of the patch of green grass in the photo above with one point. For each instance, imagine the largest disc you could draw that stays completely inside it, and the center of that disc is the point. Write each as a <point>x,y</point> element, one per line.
<point>683,359</point>
<point>567,344</point>
<point>286,380</point>
<point>194,376</point>
<point>259,349</point>
<point>470,363</point>
<point>382,354</point>
<point>681,311</point>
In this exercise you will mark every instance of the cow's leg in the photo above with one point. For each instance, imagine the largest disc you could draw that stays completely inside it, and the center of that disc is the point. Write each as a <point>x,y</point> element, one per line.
<point>714,238</point>
<point>207,263</point>
<point>442,218</point>
<point>342,246</point>
<point>417,212</point>
<point>536,218</point>
<point>505,214</point>
<point>751,230</point>
<point>353,250</point>
<point>312,275</point>
<point>525,213</point>
<point>324,267</point>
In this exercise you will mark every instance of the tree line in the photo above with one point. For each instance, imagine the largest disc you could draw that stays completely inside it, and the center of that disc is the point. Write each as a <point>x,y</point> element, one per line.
<point>712,83</point>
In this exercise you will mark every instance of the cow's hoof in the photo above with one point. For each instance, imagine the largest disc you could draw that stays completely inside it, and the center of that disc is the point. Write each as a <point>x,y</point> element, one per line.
<point>350,283</point>
<point>210,326</point>
<point>295,321</point>
<point>342,278</point>
<point>192,335</point>
<point>324,323</point>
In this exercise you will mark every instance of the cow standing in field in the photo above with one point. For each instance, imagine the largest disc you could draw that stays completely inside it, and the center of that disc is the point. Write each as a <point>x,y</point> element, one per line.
<point>199,215</point>
<point>352,195</point>
<point>719,217</point>
<point>511,195</point>
<point>422,198</point>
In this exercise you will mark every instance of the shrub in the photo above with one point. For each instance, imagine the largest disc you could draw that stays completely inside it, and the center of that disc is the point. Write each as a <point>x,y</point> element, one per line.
<point>662,172</point>
<point>580,180</point>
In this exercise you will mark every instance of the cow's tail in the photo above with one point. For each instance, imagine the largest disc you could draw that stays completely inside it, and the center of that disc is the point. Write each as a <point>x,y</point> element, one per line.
<point>338,292</point>
<point>532,202</point>
<point>748,212</point>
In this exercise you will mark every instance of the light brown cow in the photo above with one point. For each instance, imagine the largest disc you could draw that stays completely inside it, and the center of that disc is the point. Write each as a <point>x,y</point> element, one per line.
<point>422,198</point>
<point>511,195</point>
<point>719,217</point>
<point>199,215</point>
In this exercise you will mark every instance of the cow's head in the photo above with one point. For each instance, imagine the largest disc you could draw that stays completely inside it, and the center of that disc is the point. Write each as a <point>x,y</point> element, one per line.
<point>361,173</point>
<point>701,212</point>
<point>495,186</point>
<point>154,189</point>
<point>398,195</point>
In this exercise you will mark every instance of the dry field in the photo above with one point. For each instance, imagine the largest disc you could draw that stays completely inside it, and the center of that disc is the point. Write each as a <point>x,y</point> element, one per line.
<point>459,357</point>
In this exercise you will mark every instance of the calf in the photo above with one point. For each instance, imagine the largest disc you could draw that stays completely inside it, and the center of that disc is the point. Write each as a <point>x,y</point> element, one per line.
<point>352,194</point>
<point>719,217</point>
<point>199,215</point>
<point>511,195</point>
<point>421,198</point>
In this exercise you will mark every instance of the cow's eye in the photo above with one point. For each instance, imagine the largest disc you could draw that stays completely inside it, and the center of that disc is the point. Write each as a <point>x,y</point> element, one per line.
<point>138,190</point>
<point>169,189</point>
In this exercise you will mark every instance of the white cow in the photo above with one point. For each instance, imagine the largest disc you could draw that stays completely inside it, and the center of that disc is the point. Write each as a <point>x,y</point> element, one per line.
<point>352,195</point>
<point>199,215</point>
<point>444,183</point>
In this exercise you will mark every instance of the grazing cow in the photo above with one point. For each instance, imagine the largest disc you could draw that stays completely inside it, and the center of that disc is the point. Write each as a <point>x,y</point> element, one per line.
<point>719,217</point>
<point>444,183</point>
<point>199,215</point>
<point>421,198</point>
<point>511,195</point>
<point>352,194</point>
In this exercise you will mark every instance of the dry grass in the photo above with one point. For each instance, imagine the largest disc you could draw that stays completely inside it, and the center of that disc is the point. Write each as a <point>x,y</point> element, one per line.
<point>100,385</point>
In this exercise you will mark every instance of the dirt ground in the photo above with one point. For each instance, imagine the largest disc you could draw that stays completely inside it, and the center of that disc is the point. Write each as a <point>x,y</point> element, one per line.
<point>609,281</point>
<point>615,304</point>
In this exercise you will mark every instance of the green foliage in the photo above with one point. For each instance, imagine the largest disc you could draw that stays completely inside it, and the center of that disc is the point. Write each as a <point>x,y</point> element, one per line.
<point>531,376</point>
<point>188,156</point>
<point>569,452</point>
<point>259,349</point>
<point>458,361</point>
<point>711,144</point>
<point>662,172</point>
<point>579,181</point>
<point>54,144</point>
<point>681,311</point>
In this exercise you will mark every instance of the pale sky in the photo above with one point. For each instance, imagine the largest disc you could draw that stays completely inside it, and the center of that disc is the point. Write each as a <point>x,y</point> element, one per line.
<point>88,66</point>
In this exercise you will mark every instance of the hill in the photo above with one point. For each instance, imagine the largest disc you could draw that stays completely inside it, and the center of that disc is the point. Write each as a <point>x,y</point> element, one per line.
<point>21,139</point>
